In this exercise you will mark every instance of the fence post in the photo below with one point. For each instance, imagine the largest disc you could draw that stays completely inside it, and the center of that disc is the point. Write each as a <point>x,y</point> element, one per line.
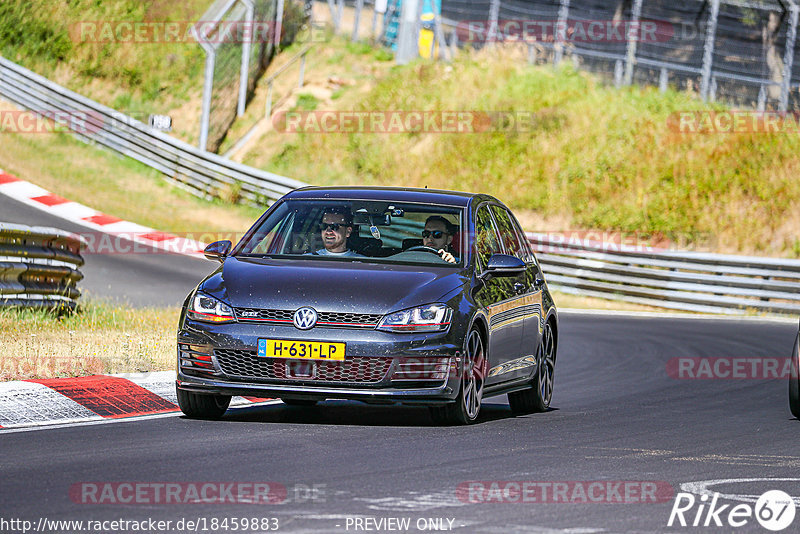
<point>357,20</point>
<point>302,71</point>
<point>560,32</point>
<point>494,13</point>
<point>407,37</point>
<point>208,87</point>
<point>788,58</point>
<point>334,11</point>
<point>247,37</point>
<point>278,25</point>
<point>708,50</point>
<point>630,56</point>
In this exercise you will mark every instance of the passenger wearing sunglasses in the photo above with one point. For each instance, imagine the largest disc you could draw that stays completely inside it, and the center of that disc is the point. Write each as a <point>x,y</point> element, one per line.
<point>438,234</point>
<point>336,227</point>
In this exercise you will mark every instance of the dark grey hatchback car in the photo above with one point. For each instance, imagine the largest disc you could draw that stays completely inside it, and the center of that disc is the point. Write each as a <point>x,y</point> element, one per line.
<point>383,295</point>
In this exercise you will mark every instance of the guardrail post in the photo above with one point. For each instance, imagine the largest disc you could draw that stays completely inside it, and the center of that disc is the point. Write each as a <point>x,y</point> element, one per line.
<point>708,50</point>
<point>618,74</point>
<point>788,58</point>
<point>630,55</point>
<point>663,80</point>
<point>268,106</point>
<point>560,31</point>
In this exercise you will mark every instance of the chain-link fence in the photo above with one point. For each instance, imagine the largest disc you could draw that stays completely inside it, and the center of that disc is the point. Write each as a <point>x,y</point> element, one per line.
<point>238,37</point>
<point>738,51</point>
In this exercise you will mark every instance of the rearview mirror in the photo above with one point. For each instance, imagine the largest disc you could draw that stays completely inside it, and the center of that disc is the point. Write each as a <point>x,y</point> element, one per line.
<point>218,250</point>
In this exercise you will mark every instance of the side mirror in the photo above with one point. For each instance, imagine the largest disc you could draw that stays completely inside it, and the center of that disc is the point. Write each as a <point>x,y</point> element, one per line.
<point>504,265</point>
<point>218,250</point>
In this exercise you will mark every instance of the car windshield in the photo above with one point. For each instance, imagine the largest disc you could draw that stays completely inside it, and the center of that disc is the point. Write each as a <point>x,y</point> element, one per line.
<point>355,230</point>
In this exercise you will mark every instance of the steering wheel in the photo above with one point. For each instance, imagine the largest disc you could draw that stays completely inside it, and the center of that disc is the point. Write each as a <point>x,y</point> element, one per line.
<point>422,248</point>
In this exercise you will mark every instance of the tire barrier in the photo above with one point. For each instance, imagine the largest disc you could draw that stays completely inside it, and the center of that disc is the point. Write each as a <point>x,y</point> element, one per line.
<point>39,267</point>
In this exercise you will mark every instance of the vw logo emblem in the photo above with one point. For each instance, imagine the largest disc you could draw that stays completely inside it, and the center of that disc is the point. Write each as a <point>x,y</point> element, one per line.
<point>305,318</point>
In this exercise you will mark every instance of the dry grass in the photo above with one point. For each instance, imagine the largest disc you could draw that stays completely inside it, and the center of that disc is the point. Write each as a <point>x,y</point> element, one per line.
<point>99,339</point>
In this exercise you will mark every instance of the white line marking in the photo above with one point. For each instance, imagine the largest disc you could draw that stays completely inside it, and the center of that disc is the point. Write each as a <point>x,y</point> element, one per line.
<point>701,488</point>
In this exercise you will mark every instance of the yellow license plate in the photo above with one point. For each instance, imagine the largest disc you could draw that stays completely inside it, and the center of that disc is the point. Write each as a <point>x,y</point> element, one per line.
<point>301,350</point>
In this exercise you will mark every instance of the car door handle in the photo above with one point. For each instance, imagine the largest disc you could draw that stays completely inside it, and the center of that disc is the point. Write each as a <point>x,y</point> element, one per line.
<point>538,283</point>
<point>520,288</point>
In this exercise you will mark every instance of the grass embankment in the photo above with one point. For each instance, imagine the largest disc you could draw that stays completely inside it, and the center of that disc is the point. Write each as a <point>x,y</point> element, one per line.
<point>99,339</point>
<point>597,157</point>
<point>135,76</point>
<point>121,187</point>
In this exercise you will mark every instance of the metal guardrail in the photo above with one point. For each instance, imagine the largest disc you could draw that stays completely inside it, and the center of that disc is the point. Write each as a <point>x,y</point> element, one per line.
<point>199,172</point>
<point>39,267</point>
<point>691,281</point>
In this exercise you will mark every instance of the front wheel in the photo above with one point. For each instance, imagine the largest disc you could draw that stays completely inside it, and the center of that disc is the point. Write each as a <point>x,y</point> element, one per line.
<point>202,406</point>
<point>468,404</point>
<point>537,398</point>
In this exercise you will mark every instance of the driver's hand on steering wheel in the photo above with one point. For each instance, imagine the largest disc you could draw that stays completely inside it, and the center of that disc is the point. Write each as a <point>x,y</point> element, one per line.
<point>446,256</point>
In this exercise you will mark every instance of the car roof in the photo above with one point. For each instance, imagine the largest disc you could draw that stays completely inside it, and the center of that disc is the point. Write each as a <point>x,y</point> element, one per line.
<point>398,194</point>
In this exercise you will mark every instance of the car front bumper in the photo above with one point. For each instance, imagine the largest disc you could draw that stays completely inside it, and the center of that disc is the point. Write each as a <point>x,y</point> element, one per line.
<point>379,367</point>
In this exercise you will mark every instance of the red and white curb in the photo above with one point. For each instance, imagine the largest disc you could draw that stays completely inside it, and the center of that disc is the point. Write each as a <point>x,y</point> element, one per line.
<point>91,398</point>
<point>44,200</point>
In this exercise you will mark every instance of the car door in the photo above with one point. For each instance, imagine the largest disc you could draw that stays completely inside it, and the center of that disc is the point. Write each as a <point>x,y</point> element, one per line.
<point>498,297</point>
<point>532,301</point>
<point>526,303</point>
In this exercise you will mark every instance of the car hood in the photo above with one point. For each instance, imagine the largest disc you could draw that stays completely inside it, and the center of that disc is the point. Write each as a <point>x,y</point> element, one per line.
<point>329,285</point>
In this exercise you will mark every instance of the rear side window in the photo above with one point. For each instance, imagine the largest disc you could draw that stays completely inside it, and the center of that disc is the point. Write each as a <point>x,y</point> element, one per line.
<point>508,234</point>
<point>486,239</point>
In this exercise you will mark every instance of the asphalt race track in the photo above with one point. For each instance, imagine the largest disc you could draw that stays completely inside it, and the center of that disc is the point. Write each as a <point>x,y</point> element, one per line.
<point>156,279</point>
<point>617,415</point>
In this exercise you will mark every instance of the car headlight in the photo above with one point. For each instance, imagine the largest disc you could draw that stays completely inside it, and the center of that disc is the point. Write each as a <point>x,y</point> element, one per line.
<point>209,309</point>
<point>430,318</point>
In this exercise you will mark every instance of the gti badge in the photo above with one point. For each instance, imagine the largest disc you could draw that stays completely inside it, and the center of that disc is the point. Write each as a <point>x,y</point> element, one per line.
<point>305,318</point>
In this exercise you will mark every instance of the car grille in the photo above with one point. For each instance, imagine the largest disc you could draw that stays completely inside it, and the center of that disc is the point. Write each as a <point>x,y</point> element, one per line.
<point>246,364</point>
<point>327,319</point>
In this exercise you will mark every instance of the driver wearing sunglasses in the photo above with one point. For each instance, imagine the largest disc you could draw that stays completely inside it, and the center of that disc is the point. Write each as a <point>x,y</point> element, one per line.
<point>438,235</point>
<point>335,227</point>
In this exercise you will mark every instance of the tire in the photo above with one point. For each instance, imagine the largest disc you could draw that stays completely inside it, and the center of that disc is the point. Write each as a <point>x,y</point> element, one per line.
<point>537,398</point>
<point>468,404</point>
<point>202,406</point>
<point>299,402</point>
<point>794,382</point>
